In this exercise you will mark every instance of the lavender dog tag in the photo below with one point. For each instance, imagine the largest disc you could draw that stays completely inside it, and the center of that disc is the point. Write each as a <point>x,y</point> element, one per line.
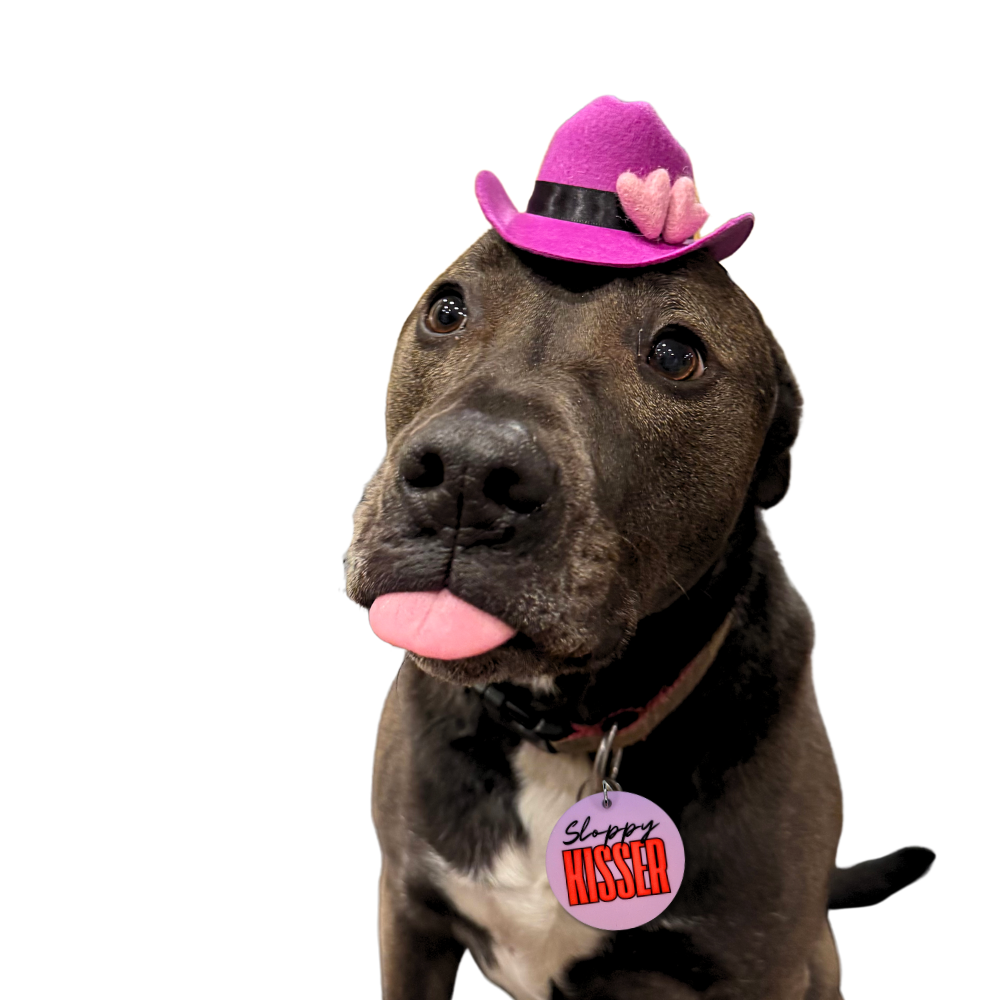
<point>615,866</point>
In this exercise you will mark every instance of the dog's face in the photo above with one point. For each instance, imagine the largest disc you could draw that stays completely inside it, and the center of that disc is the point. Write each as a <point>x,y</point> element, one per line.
<point>569,448</point>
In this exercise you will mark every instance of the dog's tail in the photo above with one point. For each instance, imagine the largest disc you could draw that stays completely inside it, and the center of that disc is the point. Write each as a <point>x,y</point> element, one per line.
<point>872,881</point>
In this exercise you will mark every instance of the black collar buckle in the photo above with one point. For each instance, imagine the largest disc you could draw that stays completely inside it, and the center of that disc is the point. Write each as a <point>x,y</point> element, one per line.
<point>526,722</point>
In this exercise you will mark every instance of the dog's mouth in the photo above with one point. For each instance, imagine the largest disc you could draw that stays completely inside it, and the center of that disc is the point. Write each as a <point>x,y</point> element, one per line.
<point>436,625</point>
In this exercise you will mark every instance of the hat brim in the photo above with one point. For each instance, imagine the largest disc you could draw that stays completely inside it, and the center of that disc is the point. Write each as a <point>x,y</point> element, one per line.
<point>583,244</point>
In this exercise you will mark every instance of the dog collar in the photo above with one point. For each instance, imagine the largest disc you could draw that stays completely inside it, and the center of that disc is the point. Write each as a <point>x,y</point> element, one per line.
<point>634,724</point>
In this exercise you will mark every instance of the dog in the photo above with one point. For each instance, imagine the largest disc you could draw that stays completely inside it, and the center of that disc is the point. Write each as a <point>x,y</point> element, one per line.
<point>546,465</point>
<point>585,419</point>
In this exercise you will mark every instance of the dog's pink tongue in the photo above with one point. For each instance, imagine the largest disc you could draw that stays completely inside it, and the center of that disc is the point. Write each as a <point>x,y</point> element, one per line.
<point>436,624</point>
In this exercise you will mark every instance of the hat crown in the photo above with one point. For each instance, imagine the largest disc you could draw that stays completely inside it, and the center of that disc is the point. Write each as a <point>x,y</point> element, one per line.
<point>607,138</point>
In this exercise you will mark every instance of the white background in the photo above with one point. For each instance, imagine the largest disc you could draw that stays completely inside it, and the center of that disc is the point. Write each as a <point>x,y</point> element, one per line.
<point>213,220</point>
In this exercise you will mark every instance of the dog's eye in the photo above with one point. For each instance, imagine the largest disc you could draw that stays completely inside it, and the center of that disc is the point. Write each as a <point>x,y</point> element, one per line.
<point>447,314</point>
<point>674,357</point>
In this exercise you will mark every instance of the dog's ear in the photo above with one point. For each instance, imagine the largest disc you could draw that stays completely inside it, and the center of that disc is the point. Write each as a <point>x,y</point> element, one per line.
<point>774,466</point>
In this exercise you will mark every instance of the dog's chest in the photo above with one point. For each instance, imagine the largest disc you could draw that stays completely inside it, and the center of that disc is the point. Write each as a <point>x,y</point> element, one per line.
<point>534,940</point>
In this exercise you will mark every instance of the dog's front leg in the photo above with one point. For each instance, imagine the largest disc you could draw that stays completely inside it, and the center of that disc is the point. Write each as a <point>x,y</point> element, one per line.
<point>419,954</point>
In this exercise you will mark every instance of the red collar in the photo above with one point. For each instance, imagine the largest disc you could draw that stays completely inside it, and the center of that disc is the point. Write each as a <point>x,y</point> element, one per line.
<point>586,738</point>
<point>566,736</point>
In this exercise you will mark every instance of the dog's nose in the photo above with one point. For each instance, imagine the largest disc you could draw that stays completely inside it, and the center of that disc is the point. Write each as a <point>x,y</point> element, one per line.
<point>484,476</point>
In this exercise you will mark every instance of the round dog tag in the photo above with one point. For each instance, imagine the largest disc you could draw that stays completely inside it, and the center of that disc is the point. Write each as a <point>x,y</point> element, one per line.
<point>615,866</point>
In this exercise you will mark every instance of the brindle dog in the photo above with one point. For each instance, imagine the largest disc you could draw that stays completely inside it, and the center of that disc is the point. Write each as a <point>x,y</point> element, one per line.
<point>583,452</point>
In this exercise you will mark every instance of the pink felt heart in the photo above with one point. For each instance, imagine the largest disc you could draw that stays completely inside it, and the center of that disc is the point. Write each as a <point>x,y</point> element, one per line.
<point>685,214</point>
<point>645,200</point>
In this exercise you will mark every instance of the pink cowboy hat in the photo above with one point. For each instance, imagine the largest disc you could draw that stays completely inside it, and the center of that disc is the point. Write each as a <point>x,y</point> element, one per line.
<point>615,188</point>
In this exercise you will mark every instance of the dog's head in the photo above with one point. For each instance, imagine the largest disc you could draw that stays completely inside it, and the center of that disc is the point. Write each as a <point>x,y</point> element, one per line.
<point>569,448</point>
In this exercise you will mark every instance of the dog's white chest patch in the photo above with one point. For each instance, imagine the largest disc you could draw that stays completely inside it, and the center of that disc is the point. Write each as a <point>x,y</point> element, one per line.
<point>534,939</point>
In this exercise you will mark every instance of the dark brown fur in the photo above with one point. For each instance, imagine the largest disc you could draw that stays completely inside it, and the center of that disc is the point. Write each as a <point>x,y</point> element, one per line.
<point>650,536</point>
